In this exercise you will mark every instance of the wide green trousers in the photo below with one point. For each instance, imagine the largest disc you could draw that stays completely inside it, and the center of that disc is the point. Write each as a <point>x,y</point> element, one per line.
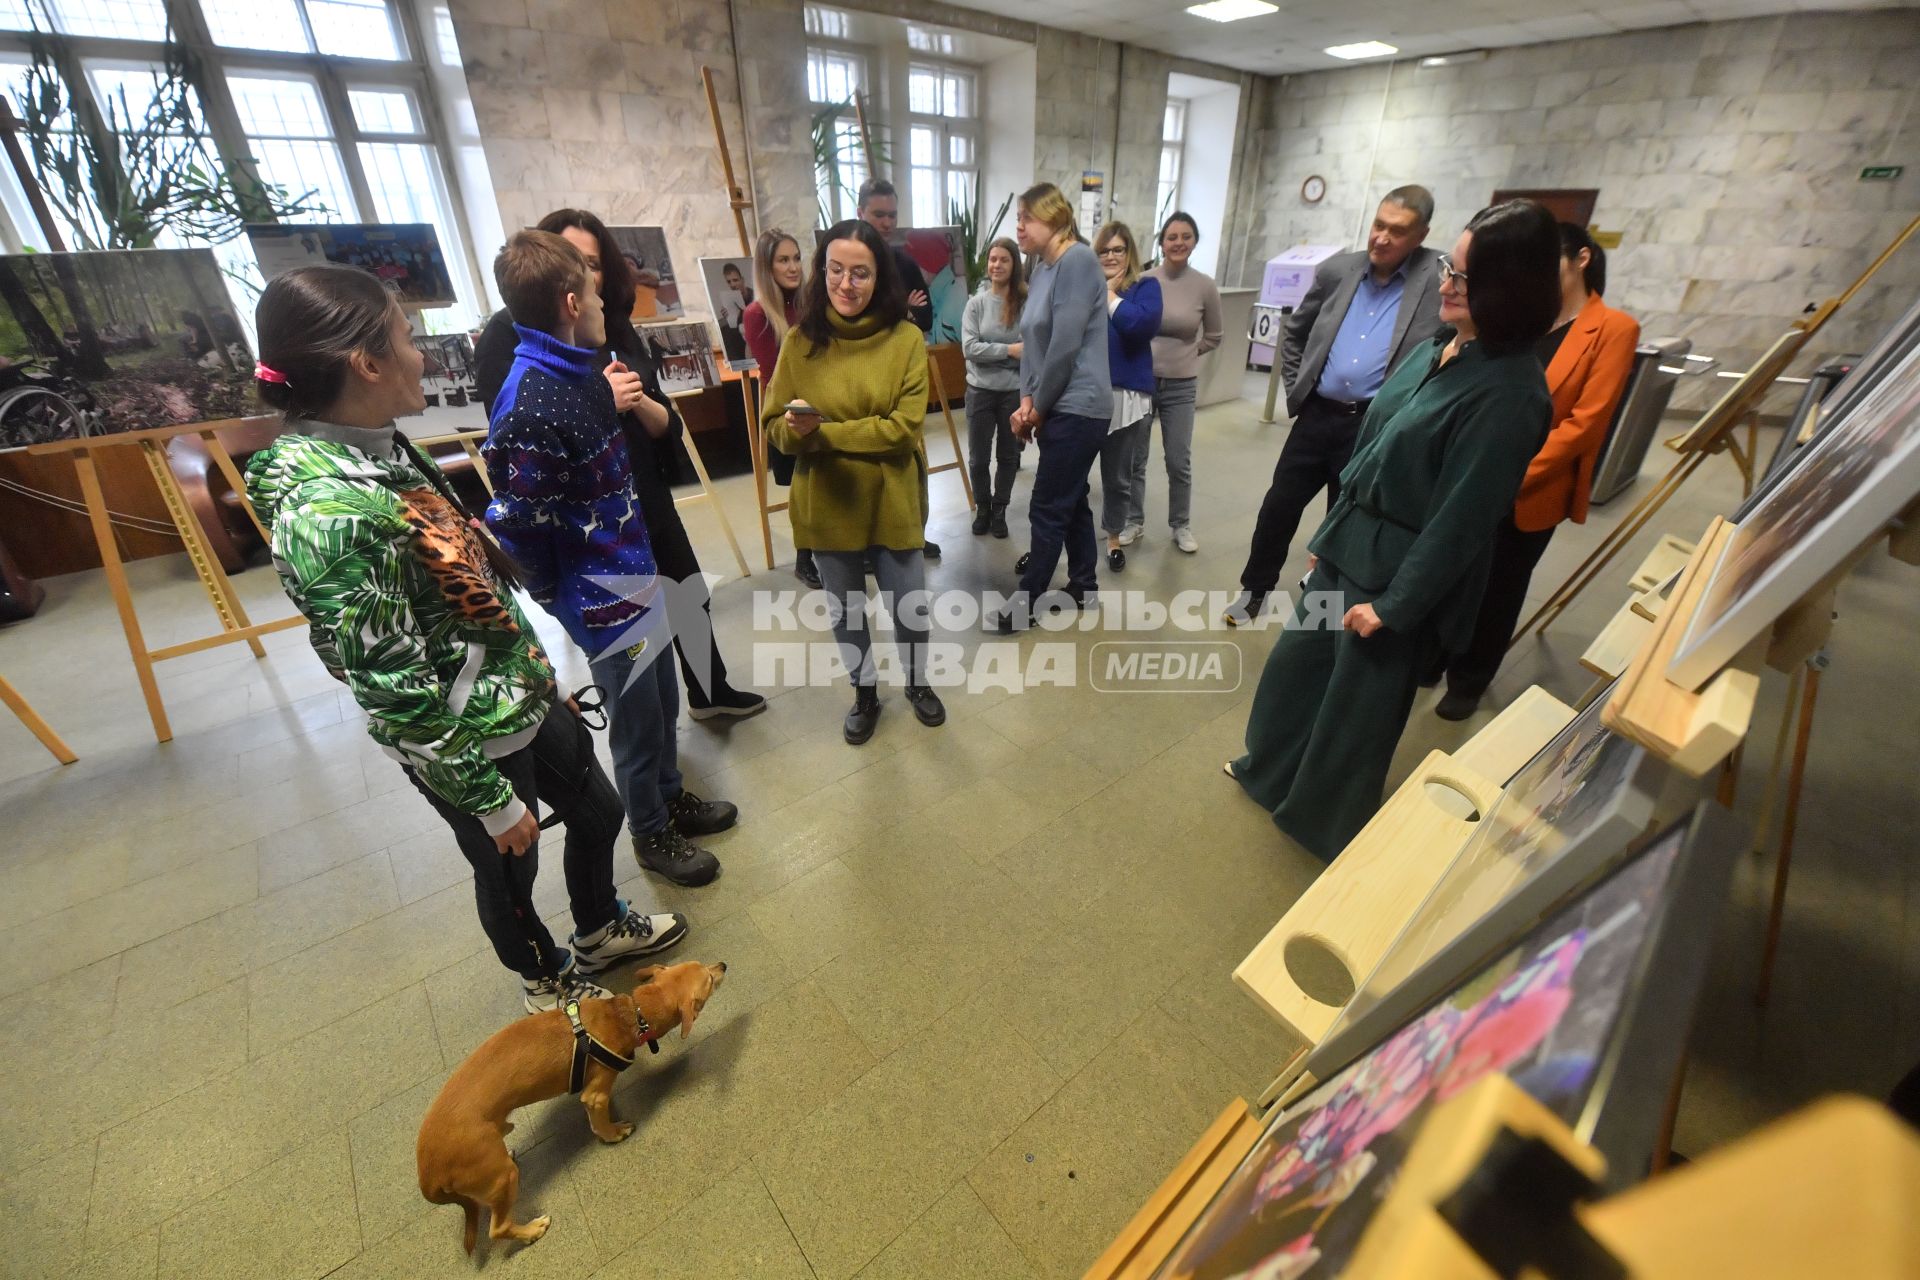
<point>1327,717</point>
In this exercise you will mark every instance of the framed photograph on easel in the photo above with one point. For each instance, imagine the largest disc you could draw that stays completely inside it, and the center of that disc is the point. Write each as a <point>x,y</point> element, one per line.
<point>1861,473</point>
<point>1586,1011</point>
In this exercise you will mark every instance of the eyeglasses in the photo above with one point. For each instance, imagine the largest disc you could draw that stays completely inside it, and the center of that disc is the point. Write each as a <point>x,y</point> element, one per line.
<point>861,275</point>
<point>1447,272</point>
<point>1114,251</point>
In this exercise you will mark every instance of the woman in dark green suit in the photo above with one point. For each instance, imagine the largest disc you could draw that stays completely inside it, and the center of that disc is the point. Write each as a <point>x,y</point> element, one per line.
<point>1399,563</point>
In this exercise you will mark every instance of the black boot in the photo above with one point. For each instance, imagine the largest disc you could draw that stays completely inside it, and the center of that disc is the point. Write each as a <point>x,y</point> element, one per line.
<point>999,522</point>
<point>980,519</point>
<point>864,716</point>
<point>804,569</point>
<point>927,705</point>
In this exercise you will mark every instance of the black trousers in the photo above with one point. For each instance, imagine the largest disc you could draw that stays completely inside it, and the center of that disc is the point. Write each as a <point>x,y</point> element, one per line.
<point>673,555</point>
<point>1515,553</point>
<point>1316,452</point>
<point>559,767</point>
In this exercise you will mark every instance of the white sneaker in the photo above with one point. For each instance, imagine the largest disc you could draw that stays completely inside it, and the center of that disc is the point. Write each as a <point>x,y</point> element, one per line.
<point>543,994</point>
<point>1130,534</point>
<point>630,934</point>
<point>1183,538</point>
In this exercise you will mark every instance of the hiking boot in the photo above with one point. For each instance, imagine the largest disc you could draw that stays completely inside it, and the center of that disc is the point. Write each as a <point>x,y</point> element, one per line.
<point>927,705</point>
<point>999,522</point>
<point>696,817</point>
<point>630,934</point>
<point>666,853</point>
<point>538,995</point>
<point>864,715</point>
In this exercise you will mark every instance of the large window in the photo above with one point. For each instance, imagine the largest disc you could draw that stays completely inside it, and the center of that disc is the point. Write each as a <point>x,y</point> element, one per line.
<point>834,76</point>
<point>1173,150</point>
<point>327,99</point>
<point>942,141</point>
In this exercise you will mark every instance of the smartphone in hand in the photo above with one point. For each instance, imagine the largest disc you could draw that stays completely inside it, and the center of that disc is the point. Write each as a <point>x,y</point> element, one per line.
<point>801,408</point>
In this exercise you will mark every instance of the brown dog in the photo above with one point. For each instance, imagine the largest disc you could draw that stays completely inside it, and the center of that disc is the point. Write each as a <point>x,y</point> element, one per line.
<point>462,1150</point>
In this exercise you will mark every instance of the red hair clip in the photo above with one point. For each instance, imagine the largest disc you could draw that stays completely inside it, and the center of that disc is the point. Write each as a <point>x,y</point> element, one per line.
<point>266,374</point>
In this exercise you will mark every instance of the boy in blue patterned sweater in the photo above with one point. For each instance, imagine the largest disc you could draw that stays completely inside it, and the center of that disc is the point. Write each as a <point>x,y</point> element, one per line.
<point>565,508</point>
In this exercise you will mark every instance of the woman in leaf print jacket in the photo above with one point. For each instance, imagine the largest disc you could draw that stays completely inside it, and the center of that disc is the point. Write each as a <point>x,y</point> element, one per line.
<point>410,605</point>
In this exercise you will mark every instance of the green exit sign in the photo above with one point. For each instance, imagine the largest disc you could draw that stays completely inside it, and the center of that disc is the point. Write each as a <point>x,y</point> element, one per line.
<point>1882,172</point>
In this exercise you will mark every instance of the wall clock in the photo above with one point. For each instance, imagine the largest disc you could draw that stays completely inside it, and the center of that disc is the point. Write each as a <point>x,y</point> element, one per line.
<point>1314,189</point>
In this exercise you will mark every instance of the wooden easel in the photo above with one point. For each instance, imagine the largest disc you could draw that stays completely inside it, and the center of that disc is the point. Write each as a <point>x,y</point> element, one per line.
<point>706,494</point>
<point>470,441</point>
<point>1713,433</point>
<point>35,725</point>
<point>236,626</point>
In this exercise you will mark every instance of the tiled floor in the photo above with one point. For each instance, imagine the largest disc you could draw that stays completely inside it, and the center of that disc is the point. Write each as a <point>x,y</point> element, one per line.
<point>978,1000</point>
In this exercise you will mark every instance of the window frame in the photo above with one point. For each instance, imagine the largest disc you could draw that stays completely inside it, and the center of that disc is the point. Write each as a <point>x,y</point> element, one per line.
<point>854,169</point>
<point>1174,149</point>
<point>945,129</point>
<point>334,74</point>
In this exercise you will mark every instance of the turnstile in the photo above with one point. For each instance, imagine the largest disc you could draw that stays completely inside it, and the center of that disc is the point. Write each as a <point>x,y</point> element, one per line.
<point>1657,363</point>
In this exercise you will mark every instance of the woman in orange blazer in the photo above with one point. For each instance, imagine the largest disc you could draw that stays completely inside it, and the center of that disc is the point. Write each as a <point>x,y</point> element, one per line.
<point>1588,356</point>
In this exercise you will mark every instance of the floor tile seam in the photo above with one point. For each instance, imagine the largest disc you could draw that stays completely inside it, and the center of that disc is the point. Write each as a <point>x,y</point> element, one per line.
<point>204,856</point>
<point>767,1191</point>
<point>1033,1267</point>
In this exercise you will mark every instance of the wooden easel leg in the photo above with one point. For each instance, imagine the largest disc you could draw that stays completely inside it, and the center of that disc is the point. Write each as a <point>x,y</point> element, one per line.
<point>37,726</point>
<point>1730,776</point>
<point>479,462</point>
<point>1764,822</point>
<point>1796,777</point>
<point>713,500</point>
<point>757,449</point>
<point>1663,1143</point>
<point>122,594</point>
<point>1610,546</point>
<point>953,432</point>
<point>224,461</point>
<point>213,578</point>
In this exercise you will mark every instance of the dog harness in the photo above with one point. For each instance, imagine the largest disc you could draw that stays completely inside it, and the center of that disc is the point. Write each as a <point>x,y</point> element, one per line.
<point>586,1046</point>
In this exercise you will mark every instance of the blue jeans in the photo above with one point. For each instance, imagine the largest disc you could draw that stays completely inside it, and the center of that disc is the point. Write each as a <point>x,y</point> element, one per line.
<point>643,724</point>
<point>1173,400</point>
<point>1058,513</point>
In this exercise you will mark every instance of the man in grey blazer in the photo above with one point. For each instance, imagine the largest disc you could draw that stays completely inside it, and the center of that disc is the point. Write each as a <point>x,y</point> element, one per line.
<point>1365,311</point>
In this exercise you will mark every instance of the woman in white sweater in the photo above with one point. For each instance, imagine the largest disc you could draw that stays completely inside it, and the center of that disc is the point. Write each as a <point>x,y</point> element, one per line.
<point>990,340</point>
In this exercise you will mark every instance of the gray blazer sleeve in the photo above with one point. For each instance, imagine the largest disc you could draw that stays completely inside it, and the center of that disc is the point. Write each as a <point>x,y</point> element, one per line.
<point>1293,335</point>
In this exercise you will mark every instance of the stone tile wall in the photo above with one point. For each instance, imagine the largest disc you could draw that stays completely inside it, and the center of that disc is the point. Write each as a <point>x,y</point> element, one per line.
<point>598,104</point>
<point>1727,154</point>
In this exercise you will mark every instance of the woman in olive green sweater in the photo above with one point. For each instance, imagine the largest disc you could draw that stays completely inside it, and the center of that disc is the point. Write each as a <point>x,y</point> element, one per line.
<point>847,400</point>
<point>1400,561</point>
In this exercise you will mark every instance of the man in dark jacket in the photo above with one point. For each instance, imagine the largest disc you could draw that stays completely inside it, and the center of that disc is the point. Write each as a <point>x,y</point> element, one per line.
<point>1364,312</point>
<point>653,454</point>
<point>880,209</point>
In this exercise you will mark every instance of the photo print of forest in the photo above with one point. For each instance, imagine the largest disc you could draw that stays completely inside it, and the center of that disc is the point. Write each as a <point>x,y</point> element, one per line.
<point>123,340</point>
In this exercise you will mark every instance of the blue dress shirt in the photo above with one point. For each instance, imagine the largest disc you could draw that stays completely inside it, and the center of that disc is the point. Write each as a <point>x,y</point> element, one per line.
<point>1357,362</point>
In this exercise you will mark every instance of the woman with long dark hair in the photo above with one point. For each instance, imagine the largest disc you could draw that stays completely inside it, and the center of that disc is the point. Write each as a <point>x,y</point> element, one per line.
<point>990,340</point>
<point>1401,558</point>
<point>849,400</point>
<point>652,428</point>
<point>1588,356</point>
<point>411,606</point>
<point>1066,399</point>
<point>779,273</point>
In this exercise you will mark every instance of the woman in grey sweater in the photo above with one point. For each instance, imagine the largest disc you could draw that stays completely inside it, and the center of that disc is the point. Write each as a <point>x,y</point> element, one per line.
<point>1190,325</point>
<point>990,339</point>
<point>1066,397</point>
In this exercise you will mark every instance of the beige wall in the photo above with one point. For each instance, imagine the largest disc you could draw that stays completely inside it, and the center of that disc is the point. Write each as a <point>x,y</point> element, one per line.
<point>598,103</point>
<point>1727,155</point>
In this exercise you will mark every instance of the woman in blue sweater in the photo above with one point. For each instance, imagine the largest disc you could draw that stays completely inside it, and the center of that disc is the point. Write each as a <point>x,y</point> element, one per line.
<point>1133,317</point>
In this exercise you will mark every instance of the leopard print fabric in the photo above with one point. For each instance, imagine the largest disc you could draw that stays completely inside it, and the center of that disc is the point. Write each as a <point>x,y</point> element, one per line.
<point>451,552</point>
